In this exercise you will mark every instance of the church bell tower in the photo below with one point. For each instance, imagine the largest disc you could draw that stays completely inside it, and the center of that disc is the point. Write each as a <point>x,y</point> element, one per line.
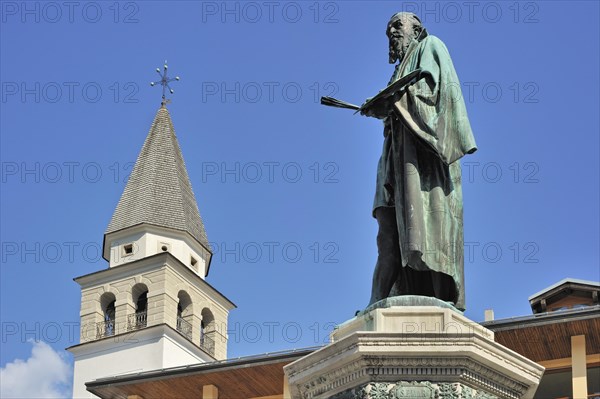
<point>151,308</point>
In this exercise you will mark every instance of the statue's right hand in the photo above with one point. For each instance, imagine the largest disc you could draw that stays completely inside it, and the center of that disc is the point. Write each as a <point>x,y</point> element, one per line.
<point>377,110</point>
<point>366,112</point>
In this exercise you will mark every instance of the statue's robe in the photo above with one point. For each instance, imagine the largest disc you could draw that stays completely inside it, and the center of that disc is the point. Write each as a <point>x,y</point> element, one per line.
<point>419,171</point>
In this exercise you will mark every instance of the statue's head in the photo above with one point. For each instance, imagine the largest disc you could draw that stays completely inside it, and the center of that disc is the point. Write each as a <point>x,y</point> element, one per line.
<point>401,30</point>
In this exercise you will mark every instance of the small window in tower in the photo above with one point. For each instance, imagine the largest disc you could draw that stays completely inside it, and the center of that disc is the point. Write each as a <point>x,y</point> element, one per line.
<point>193,261</point>
<point>127,249</point>
<point>164,247</point>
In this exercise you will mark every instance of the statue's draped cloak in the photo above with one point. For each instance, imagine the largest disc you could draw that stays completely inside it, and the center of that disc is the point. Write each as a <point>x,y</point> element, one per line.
<point>419,170</point>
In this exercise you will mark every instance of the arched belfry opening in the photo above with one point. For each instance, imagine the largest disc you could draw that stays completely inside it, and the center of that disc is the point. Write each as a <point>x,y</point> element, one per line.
<point>106,327</point>
<point>207,331</point>
<point>184,314</point>
<point>139,319</point>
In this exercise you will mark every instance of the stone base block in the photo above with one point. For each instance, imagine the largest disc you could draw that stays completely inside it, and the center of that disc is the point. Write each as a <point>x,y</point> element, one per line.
<point>413,352</point>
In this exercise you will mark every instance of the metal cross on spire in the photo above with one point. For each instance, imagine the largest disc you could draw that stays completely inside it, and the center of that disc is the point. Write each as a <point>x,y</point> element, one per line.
<point>164,82</point>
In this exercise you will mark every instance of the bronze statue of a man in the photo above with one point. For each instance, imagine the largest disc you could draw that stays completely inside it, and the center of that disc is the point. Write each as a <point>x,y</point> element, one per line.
<point>418,198</point>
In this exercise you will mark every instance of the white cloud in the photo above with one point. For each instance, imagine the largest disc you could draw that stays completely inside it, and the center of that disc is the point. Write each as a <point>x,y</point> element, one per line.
<point>46,374</point>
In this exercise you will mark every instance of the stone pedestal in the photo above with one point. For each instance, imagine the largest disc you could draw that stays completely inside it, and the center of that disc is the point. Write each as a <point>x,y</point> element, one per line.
<point>413,352</point>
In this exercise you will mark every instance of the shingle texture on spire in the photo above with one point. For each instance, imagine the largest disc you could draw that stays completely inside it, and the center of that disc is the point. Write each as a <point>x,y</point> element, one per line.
<point>159,191</point>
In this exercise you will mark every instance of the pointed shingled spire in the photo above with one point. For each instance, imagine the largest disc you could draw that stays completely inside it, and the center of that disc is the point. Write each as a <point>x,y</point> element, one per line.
<point>159,191</point>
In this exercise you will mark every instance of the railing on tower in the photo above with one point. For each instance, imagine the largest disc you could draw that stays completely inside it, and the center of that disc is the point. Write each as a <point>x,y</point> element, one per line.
<point>105,329</point>
<point>184,327</point>
<point>137,320</point>
<point>207,343</point>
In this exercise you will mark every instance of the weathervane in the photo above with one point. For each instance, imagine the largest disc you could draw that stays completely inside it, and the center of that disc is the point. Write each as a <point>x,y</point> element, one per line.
<point>164,82</point>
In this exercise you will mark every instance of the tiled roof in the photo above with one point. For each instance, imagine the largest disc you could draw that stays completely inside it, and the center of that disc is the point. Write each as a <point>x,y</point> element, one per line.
<point>159,191</point>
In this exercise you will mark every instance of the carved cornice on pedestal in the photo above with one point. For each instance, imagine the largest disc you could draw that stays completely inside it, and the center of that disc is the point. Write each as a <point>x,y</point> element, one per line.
<point>382,355</point>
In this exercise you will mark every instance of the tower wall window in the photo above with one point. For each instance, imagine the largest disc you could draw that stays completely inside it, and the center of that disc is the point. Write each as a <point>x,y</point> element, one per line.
<point>139,319</point>
<point>184,314</point>
<point>207,332</point>
<point>127,249</point>
<point>106,327</point>
<point>164,246</point>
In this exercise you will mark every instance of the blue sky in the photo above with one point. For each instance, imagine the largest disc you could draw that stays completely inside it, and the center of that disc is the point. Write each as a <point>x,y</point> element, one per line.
<point>284,185</point>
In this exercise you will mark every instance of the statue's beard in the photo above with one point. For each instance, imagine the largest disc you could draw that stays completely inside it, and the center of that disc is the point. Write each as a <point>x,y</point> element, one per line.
<point>398,48</point>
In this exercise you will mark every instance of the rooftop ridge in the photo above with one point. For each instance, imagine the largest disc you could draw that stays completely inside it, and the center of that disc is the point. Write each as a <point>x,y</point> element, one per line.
<point>562,282</point>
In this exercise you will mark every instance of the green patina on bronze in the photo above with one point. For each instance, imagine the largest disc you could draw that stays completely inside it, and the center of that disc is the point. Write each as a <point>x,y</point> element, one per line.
<point>426,132</point>
<point>418,198</point>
